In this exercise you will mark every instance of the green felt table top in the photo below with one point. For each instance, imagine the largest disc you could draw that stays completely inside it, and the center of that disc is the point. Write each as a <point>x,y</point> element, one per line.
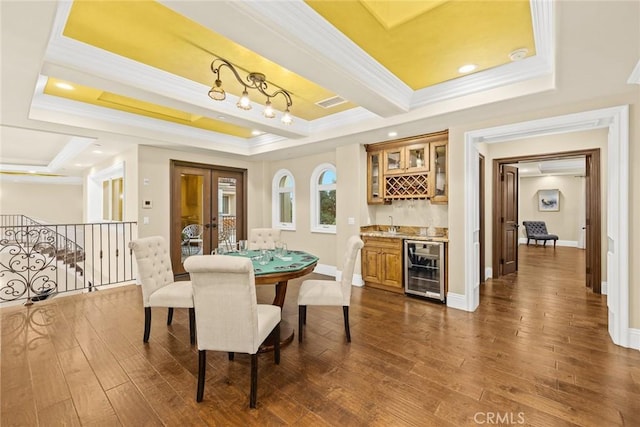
<point>293,261</point>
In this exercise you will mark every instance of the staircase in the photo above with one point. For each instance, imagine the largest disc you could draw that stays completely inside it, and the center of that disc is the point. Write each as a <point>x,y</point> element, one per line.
<point>38,261</point>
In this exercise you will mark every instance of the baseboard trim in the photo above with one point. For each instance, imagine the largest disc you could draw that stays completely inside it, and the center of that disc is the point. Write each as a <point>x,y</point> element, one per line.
<point>567,243</point>
<point>457,301</point>
<point>329,270</point>
<point>488,273</point>
<point>634,338</point>
<point>604,288</point>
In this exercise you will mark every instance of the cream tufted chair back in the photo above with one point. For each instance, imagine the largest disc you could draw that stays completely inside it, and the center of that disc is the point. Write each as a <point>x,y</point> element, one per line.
<point>158,286</point>
<point>263,238</point>
<point>154,265</point>
<point>229,317</point>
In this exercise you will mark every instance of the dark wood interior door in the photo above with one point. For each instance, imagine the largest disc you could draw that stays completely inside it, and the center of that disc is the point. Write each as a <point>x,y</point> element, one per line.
<point>509,219</point>
<point>207,210</point>
<point>592,222</point>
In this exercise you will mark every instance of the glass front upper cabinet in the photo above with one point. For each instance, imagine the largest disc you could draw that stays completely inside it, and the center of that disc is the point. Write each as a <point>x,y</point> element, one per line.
<point>375,179</point>
<point>439,180</point>
<point>408,159</point>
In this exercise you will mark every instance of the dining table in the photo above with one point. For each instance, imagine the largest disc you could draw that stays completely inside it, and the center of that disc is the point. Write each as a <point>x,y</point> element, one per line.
<point>278,270</point>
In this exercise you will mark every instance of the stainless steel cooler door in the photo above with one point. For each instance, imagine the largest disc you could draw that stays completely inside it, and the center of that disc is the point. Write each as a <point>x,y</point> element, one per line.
<point>424,268</point>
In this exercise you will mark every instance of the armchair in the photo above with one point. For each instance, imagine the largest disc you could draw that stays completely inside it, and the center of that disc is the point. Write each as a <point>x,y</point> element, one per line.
<point>537,230</point>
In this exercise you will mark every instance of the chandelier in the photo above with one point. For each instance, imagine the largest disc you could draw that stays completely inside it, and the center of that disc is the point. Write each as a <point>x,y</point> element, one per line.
<point>257,81</point>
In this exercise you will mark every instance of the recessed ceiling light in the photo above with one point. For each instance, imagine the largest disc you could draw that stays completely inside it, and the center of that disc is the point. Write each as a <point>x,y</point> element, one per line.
<point>65,86</point>
<point>467,68</point>
<point>32,171</point>
<point>392,133</point>
<point>97,152</point>
<point>256,133</point>
<point>518,54</point>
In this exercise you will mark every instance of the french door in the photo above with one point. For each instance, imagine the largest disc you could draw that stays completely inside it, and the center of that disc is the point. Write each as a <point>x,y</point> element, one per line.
<point>208,209</point>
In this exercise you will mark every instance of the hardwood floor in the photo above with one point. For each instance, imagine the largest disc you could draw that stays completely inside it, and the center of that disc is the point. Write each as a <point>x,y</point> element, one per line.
<point>536,352</point>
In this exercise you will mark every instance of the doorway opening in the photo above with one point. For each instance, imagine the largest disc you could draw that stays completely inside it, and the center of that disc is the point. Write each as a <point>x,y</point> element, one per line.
<point>616,121</point>
<point>208,210</point>
<point>506,231</point>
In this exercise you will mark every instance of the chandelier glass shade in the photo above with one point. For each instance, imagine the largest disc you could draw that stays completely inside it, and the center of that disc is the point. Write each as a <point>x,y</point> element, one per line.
<point>255,81</point>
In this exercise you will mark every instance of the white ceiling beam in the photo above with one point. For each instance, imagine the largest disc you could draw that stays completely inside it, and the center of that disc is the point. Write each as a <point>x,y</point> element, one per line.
<point>294,36</point>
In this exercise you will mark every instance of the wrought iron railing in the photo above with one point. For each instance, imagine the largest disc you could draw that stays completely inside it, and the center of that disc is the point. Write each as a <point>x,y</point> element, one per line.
<point>39,260</point>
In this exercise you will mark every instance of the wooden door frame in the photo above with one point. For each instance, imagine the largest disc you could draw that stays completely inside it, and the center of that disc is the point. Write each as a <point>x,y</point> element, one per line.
<point>595,263</point>
<point>240,233</point>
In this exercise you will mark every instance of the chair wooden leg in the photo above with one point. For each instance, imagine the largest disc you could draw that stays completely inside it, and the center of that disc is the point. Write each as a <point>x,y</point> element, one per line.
<point>528,242</point>
<point>302,314</point>
<point>345,312</point>
<point>276,344</point>
<point>254,381</point>
<point>169,316</point>
<point>192,325</point>
<point>554,244</point>
<point>202,366</point>
<point>231,356</point>
<point>147,324</point>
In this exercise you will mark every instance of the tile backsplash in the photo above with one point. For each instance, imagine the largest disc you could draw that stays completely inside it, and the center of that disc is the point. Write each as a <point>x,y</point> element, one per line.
<point>410,212</point>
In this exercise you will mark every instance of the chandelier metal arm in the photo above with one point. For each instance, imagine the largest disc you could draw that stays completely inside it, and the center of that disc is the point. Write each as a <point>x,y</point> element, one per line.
<point>282,92</point>
<point>225,63</point>
<point>256,81</point>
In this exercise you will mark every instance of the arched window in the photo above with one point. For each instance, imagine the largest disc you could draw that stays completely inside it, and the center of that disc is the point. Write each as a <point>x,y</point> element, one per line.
<point>283,200</point>
<point>323,199</point>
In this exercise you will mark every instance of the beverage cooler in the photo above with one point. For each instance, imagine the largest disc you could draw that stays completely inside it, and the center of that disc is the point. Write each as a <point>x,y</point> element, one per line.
<point>424,269</point>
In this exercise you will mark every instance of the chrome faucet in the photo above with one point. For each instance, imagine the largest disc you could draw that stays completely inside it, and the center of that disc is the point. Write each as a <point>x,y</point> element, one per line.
<point>392,229</point>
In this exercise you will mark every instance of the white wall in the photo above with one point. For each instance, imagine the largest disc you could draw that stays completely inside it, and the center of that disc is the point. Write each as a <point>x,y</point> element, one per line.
<point>565,222</point>
<point>51,204</point>
<point>323,245</point>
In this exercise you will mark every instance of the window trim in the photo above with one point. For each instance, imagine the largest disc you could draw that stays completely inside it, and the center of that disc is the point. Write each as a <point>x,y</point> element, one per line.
<point>275,200</point>
<point>314,199</point>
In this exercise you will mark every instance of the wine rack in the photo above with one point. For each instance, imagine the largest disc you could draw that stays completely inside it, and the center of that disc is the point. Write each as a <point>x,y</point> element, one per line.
<point>414,186</point>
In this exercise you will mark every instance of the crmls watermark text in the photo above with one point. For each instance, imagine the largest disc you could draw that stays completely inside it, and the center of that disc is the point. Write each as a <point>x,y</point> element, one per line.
<point>499,418</point>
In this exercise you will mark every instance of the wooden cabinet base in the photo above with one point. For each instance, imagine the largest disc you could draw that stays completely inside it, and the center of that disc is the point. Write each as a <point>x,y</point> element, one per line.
<point>384,287</point>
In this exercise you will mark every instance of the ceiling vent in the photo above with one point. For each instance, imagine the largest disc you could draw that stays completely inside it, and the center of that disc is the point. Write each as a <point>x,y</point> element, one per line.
<point>331,102</point>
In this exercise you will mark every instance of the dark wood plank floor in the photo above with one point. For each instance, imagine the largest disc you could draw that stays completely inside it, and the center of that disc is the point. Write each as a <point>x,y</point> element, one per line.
<point>536,352</point>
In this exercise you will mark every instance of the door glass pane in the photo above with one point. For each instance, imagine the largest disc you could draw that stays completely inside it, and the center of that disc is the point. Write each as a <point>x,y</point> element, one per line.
<point>227,202</point>
<point>441,169</point>
<point>393,160</point>
<point>192,215</point>
<point>416,157</point>
<point>375,175</point>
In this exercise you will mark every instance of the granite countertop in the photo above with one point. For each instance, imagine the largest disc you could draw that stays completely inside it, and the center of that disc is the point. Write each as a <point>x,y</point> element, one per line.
<point>410,233</point>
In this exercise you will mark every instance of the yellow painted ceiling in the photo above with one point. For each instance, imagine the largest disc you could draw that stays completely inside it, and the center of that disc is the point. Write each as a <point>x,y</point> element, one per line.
<point>150,33</point>
<point>422,42</point>
<point>130,105</point>
<point>425,42</point>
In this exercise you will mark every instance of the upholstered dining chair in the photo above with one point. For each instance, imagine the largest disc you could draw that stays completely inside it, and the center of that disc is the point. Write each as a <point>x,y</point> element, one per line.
<point>263,238</point>
<point>330,292</point>
<point>228,315</point>
<point>158,286</point>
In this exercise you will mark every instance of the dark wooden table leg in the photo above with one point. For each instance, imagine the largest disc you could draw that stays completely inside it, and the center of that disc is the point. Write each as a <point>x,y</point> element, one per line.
<point>286,330</point>
<point>281,292</point>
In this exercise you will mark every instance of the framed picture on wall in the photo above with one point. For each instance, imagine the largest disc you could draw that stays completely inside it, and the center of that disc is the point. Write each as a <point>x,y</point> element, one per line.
<point>548,200</point>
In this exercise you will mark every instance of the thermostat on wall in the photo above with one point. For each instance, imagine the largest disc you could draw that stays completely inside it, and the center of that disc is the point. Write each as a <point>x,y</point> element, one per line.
<point>146,204</point>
